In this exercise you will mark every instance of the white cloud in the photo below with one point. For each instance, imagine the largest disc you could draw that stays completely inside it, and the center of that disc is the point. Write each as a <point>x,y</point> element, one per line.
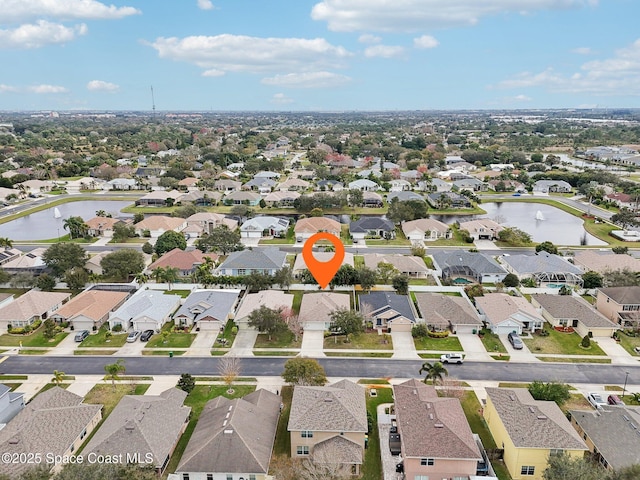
<point>239,53</point>
<point>17,11</point>
<point>368,38</point>
<point>205,5</point>
<point>307,80</point>
<point>384,51</point>
<point>415,15</point>
<point>35,35</point>
<point>102,86</point>
<point>613,76</point>
<point>43,89</point>
<point>582,51</point>
<point>522,98</point>
<point>425,41</point>
<point>213,73</point>
<point>281,99</point>
<point>7,88</point>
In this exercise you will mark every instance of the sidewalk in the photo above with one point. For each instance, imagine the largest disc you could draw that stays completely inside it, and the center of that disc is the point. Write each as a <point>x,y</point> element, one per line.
<point>617,354</point>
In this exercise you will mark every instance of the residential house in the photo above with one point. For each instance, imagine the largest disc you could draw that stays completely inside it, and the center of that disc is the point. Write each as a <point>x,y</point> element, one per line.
<point>29,262</point>
<point>35,187</point>
<point>426,230</point>
<point>33,305</point>
<point>436,439</point>
<point>552,186</point>
<point>444,200</point>
<point>201,198</point>
<point>506,186</point>
<point>434,185</point>
<point>11,403</point>
<point>102,226</point>
<point>316,309</point>
<point>622,200</point>
<point>233,439</point>
<point>620,305</point>
<point>447,312</point>
<point>205,222</point>
<point>207,309</point>
<point>8,253</point>
<point>274,299</point>
<point>281,199</point>
<point>159,198</point>
<point>266,260</point>
<point>267,174</point>
<point>189,183</point>
<point>300,265</point>
<point>145,310</point>
<point>408,264</point>
<point>411,176</point>
<point>294,184</point>
<point>264,226</point>
<point>575,312</point>
<point>329,424</point>
<point>89,309</point>
<point>388,310</point>
<point>364,185</point>
<point>158,224</point>
<point>227,186</point>
<point>543,267</point>
<point>372,227</point>
<point>121,184</point>
<point>144,429</point>
<point>529,431</point>
<point>400,185</point>
<point>369,173</point>
<point>472,184</point>
<point>372,200</point>
<point>330,185</point>
<point>55,422</point>
<point>405,196</point>
<point>611,434</point>
<point>462,266</point>
<point>504,314</point>
<point>93,263</point>
<point>146,172</point>
<point>262,185</point>
<point>242,198</point>
<point>186,261</point>
<point>482,229</point>
<point>307,227</point>
<point>604,262</point>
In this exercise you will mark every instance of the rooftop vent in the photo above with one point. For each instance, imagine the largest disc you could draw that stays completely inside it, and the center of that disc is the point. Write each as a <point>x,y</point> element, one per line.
<point>328,400</point>
<point>532,410</point>
<point>431,416</point>
<point>229,431</point>
<point>438,425</point>
<point>541,417</point>
<point>512,397</point>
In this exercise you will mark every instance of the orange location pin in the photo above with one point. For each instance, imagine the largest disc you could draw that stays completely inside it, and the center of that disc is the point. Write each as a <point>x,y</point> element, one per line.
<point>323,272</point>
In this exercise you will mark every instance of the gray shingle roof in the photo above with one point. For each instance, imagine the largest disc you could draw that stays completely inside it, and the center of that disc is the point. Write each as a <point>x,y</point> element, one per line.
<point>266,258</point>
<point>385,301</point>
<point>478,262</point>
<point>445,310</point>
<point>405,196</point>
<point>216,304</point>
<point>234,436</point>
<point>337,449</point>
<point>623,295</point>
<point>338,407</point>
<point>533,423</point>
<point>143,424</point>
<point>432,426</point>
<point>147,303</point>
<point>365,224</point>
<point>567,306</point>
<point>540,262</point>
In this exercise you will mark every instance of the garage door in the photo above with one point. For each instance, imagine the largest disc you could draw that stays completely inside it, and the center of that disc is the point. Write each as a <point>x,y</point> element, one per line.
<point>143,325</point>
<point>209,325</point>
<point>505,330</point>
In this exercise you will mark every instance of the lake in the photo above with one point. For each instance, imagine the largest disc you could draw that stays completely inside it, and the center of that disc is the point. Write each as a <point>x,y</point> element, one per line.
<point>558,226</point>
<point>42,225</point>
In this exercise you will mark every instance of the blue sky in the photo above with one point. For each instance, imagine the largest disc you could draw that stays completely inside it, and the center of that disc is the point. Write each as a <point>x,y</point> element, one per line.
<point>318,54</point>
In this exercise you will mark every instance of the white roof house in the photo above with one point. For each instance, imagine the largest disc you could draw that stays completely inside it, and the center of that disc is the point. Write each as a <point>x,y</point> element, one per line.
<point>258,227</point>
<point>145,310</point>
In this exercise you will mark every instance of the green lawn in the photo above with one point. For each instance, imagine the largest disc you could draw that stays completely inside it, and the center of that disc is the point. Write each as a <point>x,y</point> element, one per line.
<point>94,352</point>
<point>272,353</point>
<point>345,353</point>
<point>358,261</point>
<point>362,341</point>
<point>373,381</point>
<point>492,342</point>
<point>561,343</point>
<point>107,395</point>
<point>574,360</point>
<point>181,293</point>
<point>372,466</point>
<point>448,344</point>
<point>4,378</point>
<point>282,445</point>
<point>100,339</point>
<point>163,352</point>
<point>174,340</point>
<point>399,240</point>
<point>35,339</point>
<point>284,339</point>
<point>628,343</point>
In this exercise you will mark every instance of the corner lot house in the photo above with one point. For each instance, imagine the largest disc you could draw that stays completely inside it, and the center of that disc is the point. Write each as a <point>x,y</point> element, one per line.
<point>207,309</point>
<point>442,312</point>
<point>245,262</point>
<point>425,230</point>
<point>141,425</point>
<point>436,439</point>
<point>570,311</point>
<point>89,309</point>
<point>274,299</point>
<point>306,227</point>
<point>145,310</point>
<point>55,422</point>
<point>233,439</point>
<point>529,431</point>
<point>316,308</point>
<point>329,424</point>
<point>388,310</point>
<point>11,403</point>
<point>33,305</point>
<point>505,314</point>
<point>620,304</point>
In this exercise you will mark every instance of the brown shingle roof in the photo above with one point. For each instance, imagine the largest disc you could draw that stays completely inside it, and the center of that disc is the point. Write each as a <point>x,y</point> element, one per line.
<point>605,262</point>
<point>33,303</point>
<point>565,306</point>
<point>182,260</point>
<point>623,295</point>
<point>316,307</point>
<point>102,223</point>
<point>157,222</point>
<point>444,310</point>
<point>93,304</point>
<point>402,263</point>
<point>316,224</point>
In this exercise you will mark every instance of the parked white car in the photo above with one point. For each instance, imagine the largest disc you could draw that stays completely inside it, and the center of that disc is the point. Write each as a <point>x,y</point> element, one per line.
<point>452,358</point>
<point>596,400</point>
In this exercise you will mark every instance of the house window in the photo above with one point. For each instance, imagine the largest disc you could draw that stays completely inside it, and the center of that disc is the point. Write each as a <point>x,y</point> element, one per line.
<point>229,476</point>
<point>241,272</point>
<point>306,434</point>
<point>209,476</point>
<point>252,477</point>
<point>427,462</point>
<point>527,470</point>
<point>421,477</point>
<point>556,452</point>
<point>302,450</point>
<point>185,476</point>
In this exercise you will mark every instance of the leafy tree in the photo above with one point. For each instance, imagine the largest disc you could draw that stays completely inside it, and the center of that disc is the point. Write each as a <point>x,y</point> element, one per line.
<point>49,329</point>
<point>621,278</point>
<point>434,371</point>
<point>147,248</point>
<point>4,276</point>
<point>76,226</point>
<point>547,247</point>
<point>418,251</point>
<point>355,198</point>
<point>514,237</point>
<point>221,239</point>
<point>186,382</point>
<point>113,371</point>
<point>170,240</point>
<point>625,218</point>
<point>58,377</point>
<point>122,263</point>
<point>619,250</point>
<point>406,210</point>
<point>346,275</point>
<point>346,322</point>
<point>257,281</point>
<point>22,280</point>
<point>401,284</point>
<point>5,242</point>
<point>167,275</point>
<point>385,272</point>
<point>304,371</point>
<point>76,279</point>
<point>632,472</point>
<point>565,467</point>
<point>511,280</point>
<point>45,282</point>
<point>586,342</point>
<point>266,320</point>
<point>366,278</point>
<point>138,217</point>
<point>122,231</point>
<point>591,279</point>
<point>473,291</point>
<point>61,257</point>
<point>565,290</point>
<point>283,277</point>
<point>419,330</point>
<point>550,391</point>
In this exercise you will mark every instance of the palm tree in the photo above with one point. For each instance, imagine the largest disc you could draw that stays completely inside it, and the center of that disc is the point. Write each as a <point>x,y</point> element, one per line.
<point>434,371</point>
<point>158,274</point>
<point>114,370</point>
<point>58,377</point>
<point>76,226</point>
<point>141,278</point>
<point>5,242</point>
<point>101,213</point>
<point>171,275</point>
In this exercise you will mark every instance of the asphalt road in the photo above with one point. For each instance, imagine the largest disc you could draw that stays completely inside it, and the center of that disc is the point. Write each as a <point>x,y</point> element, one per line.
<point>586,373</point>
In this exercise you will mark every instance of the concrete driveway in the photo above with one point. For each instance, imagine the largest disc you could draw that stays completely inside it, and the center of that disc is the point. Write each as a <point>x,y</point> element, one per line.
<point>312,344</point>
<point>615,351</point>
<point>473,348</point>
<point>523,356</point>
<point>202,344</point>
<point>66,346</point>
<point>243,344</point>
<point>403,346</point>
<point>131,349</point>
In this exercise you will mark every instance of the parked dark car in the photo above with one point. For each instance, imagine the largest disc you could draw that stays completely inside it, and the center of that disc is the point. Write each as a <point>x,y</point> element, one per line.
<point>515,341</point>
<point>394,444</point>
<point>146,335</point>
<point>81,335</point>
<point>614,400</point>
